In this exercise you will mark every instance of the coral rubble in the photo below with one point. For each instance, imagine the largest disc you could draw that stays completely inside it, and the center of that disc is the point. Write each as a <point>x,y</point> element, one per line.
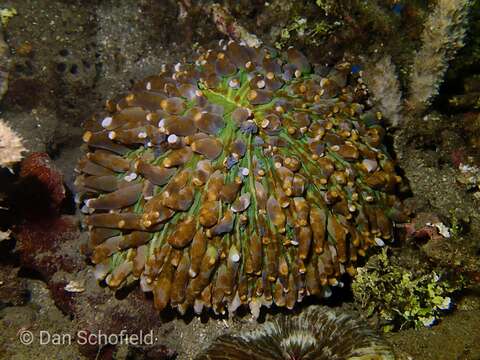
<point>226,24</point>
<point>13,290</point>
<point>248,177</point>
<point>318,333</point>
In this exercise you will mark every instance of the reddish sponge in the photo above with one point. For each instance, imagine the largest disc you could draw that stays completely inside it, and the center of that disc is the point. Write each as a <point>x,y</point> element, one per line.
<point>38,170</point>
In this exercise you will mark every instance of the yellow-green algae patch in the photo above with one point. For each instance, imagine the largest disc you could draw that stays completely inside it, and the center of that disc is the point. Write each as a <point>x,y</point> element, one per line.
<point>6,14</point>
<point>403,297</point>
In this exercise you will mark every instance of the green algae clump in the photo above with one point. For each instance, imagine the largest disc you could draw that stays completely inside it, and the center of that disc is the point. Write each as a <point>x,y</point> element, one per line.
<point>401,297</point>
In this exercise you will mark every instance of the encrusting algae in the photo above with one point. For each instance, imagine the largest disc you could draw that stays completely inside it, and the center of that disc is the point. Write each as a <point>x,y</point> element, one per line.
<point>247,177</point>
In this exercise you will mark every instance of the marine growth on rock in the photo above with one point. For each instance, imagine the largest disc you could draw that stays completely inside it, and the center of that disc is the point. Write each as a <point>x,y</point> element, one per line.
<point>246,177</point>
<point>318,333</point>
<point>11,146</point>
